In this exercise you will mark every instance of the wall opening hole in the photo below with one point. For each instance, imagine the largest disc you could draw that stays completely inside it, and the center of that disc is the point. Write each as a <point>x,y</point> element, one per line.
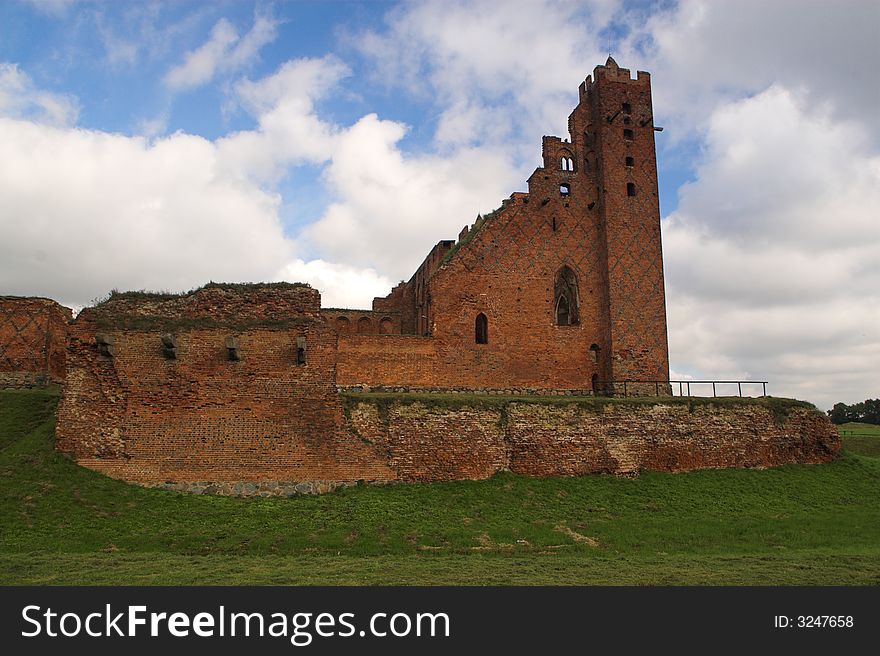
<point>481,329</point>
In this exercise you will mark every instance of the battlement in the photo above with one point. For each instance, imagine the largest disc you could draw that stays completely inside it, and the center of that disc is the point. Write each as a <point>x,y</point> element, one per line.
<point>613,73</point>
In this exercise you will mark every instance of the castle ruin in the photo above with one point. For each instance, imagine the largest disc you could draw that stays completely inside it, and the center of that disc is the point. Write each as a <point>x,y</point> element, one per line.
<point>557,295</point>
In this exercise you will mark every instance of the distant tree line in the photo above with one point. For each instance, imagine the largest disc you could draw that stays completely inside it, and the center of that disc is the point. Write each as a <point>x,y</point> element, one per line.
<point>867,412</point>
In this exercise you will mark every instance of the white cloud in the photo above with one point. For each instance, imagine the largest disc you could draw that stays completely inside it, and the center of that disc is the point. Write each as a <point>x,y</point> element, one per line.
<point>124,212</point>
<point>224,51</point>
<point>19,98</point>
<point>496,70</point>
<point>771,256</point>
<point>703,53</point>
<point>128,212</point>
<point>391,208</point>
<point>341,285</point>
<point>289,131</point>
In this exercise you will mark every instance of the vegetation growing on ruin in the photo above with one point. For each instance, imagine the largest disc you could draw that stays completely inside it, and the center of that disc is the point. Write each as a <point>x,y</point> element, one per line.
<point>146,295</point>
<point>475,228</point>
<point>798,524</point>
<point>778,407</point>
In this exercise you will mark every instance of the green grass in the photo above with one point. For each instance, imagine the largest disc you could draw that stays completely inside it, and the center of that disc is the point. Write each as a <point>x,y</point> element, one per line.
<point>863,439</point>
<point>63,524</point>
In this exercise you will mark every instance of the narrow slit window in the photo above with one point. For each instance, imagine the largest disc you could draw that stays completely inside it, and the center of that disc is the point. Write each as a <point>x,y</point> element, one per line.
<point>630,189</point>
<point>564,163</point>
<point>300,351</point>
<point>628,134</point>
<point>570,164</point>
<point>481,329</point>
<point>630,162</point>
<point>626,108</point>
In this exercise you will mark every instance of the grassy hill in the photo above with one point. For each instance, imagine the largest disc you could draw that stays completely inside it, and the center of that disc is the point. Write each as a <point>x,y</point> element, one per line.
<point>62,524</point>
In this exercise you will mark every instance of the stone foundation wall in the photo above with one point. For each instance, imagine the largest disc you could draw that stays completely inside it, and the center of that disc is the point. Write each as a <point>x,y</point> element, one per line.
<point>426,441</point>
<point>416,438</point>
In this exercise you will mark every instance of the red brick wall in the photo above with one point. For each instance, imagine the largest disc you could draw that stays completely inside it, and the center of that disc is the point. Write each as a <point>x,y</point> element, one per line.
<point>363,322</point>
<point>386,360</point>
<point>505,267</point>
<point>141,416</point>
<point>611,104</point>
<point>33,333</point>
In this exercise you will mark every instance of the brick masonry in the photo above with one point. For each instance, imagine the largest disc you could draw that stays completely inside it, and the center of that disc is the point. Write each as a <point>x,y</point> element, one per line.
<point>141,415</point>
<point>592,210</point>
<point>33,334</point>
<point>428,442</point>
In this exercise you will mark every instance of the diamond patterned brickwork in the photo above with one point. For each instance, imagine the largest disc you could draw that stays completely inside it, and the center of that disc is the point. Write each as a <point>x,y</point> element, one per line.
<point>615,103</point>
<point>32,341</point>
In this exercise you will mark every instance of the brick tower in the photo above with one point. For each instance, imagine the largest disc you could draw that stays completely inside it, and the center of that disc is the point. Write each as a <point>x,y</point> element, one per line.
<point>613,128</point>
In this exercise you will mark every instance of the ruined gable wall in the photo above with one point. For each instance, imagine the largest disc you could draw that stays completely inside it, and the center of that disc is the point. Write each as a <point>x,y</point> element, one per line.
<point>505,269</point>
<point>33,333</point>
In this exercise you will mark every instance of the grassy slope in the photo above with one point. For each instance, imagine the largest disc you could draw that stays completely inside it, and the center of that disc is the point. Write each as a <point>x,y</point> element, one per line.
<point>863,439</point>
<point>60,523</point>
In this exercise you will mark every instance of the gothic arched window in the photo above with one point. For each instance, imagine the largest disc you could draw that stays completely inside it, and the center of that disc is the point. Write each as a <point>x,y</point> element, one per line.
<point>566,297</point>
<point>481,329</point>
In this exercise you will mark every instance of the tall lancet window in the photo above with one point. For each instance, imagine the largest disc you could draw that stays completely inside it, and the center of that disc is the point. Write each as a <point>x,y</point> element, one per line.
<point>566,297</point>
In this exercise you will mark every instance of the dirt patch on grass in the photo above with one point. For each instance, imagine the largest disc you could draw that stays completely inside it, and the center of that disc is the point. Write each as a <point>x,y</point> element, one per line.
<point>577,537</point>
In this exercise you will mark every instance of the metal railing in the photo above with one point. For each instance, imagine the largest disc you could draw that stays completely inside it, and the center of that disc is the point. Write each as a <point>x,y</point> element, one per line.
<point>610,387</point>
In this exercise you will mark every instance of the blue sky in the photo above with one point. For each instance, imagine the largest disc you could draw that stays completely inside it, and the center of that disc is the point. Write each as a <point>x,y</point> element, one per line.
<point>159,145</point>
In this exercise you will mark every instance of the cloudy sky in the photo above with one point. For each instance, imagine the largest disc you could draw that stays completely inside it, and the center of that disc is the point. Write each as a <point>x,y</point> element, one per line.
<point>160,145</point>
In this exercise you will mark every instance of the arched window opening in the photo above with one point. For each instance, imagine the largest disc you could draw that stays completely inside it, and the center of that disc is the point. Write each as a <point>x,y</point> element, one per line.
<point>563,311</point>
<point>343,325</point>
<point>570,164</point>
<point>564,163</point>
<point>364,325</point>
<point>594,353</point>
<point>386,326</point>
<point>566,297</point>
<point>481,329</point>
